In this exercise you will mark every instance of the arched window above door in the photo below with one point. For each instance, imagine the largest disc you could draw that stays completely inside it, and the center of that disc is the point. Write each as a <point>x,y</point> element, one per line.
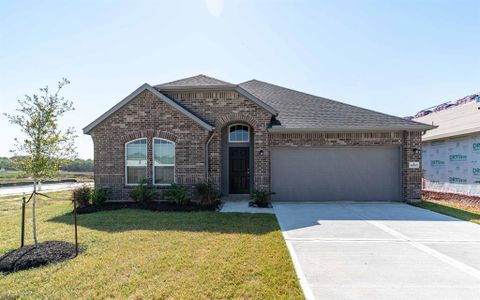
<point>238,133</point>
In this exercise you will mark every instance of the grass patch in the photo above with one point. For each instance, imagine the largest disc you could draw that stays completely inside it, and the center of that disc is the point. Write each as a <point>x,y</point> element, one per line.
<point>450,211</point>
<point>142,254</point>
<point>11,205</point>
<point>17,176</point>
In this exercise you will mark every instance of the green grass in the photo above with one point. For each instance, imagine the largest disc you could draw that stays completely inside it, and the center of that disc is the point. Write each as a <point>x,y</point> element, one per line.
<point>142,254</point>
<point>450,211</point>
<point>16,176</point>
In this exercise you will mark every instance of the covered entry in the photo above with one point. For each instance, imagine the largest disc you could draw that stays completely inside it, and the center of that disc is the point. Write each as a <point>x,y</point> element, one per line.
<point>336,173</point>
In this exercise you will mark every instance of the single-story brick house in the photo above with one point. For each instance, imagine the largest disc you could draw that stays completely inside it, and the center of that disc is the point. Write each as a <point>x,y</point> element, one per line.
<point>255,135</point>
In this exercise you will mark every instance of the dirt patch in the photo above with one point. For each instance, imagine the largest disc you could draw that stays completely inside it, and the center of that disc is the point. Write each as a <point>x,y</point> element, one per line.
<point>32,256</point>
<point>153,206</point>
<point>471,203</point>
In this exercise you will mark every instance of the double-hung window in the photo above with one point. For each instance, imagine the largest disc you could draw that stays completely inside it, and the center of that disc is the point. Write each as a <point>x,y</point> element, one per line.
<point>163,162</point>
<point>135,161</point>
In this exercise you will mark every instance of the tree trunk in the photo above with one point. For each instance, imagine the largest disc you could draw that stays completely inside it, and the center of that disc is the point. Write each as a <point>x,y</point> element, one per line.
<point>33,212</point>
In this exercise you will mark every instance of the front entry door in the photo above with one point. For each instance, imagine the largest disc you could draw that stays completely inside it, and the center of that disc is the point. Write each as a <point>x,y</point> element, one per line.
<point>239,173</point>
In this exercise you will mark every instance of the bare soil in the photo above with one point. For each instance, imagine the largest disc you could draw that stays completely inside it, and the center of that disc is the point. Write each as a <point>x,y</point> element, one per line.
<point>471,203</point>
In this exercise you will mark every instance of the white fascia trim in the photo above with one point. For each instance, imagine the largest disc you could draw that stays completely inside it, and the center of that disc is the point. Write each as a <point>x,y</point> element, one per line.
<point>137,92</point>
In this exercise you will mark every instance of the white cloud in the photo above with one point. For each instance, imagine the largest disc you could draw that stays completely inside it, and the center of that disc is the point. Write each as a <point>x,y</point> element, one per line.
<point>214,7</point>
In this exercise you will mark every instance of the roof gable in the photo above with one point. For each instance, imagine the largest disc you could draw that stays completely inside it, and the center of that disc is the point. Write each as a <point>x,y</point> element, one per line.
<point>202,82</point>
<point>147,87</point>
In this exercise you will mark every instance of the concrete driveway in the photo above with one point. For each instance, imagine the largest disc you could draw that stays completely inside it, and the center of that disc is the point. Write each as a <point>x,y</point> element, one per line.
<point>380,251</point>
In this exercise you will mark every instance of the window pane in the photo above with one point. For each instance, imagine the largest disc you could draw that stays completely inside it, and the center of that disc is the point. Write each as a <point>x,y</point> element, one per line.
<point>137,153</point>
<point>164,175</point>
<point>238,133</point>
<point>136,174</point>
<point>244,134</point>
<point>164,152</point>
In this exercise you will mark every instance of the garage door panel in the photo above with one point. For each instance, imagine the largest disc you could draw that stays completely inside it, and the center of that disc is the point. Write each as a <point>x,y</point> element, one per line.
<point>336,174</point>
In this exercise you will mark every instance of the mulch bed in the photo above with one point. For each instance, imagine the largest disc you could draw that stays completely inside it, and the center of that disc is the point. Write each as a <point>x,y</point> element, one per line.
<point>459,200</point>
<point>262,205</point>
<point>153,206</point>
<point>43,254</point>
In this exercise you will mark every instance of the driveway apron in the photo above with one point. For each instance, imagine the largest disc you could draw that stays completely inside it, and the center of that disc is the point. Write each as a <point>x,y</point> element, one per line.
<point>380,251</point>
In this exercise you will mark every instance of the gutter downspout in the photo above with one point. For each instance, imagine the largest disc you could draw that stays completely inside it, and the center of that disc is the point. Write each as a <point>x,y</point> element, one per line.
<point>212,133</point>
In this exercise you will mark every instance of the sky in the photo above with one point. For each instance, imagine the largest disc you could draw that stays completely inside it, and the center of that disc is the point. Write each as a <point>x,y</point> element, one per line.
<point>394,56</point>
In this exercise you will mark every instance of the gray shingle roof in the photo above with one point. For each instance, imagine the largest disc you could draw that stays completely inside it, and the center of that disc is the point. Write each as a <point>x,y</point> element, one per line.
<point>199,80</point>
<point>298,110</point>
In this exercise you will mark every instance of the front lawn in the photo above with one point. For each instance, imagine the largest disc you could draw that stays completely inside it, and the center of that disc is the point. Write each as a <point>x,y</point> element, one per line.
<point>450,210</point>
<point>143,254</point>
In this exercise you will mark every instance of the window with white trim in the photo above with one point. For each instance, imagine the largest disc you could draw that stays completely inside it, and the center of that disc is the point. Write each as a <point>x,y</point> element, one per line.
<point>135,161</point>
<point>163,162</point>
<point>238,133</point>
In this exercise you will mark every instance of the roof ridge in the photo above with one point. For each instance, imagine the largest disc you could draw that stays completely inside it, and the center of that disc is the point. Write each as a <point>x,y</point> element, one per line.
<point>219,82</point>
<point>247,81</point>
<point>337,101</point>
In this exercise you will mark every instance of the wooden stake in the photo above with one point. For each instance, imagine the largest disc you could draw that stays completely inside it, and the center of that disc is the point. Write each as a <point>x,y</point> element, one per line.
<point>75,221</point>
<point>22,240</point>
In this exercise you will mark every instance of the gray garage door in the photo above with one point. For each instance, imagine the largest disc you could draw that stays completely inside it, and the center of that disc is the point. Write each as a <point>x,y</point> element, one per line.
<point>336,174</point>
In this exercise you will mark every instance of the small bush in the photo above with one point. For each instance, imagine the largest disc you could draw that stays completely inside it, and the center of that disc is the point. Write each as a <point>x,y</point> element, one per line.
<point>209,193</point>
<point>143,192</point>
<point>98,196</point>
<point>260,196</point>
<point>81,196</point>
<point>177,193</point>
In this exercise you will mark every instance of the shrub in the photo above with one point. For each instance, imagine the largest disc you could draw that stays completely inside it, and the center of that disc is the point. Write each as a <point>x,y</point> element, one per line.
<point>177,193</point>
<point>98,196</point>
<point>209,193</point>
<point>81,196</point>
<point>260,196</point>
<point>143,192</point>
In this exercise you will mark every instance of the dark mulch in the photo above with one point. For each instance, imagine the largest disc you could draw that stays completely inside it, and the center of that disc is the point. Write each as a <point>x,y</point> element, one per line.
<point>261,205</point>
<point>43,254</point>
<point>154,206</point>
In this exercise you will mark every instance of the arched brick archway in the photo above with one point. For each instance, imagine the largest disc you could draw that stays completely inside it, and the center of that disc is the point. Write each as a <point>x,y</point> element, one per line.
<point>236,118</point>
<point>150,133</point>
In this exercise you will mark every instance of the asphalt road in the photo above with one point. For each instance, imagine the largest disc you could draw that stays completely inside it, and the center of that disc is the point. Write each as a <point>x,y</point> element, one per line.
<point>50,187</point>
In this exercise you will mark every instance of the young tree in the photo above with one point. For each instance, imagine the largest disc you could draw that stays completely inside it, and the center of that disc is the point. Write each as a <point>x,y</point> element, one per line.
<point>45,147</point>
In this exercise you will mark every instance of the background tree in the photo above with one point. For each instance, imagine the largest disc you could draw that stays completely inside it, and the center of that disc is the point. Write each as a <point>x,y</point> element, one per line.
<point>6,163</point>
<point>78,165</point>
<point>45,147</point>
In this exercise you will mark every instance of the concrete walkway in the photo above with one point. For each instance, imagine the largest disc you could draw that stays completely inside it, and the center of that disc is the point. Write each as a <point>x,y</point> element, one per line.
<point>380,251</point>
<point>241,206</point>
<point>49,187</point>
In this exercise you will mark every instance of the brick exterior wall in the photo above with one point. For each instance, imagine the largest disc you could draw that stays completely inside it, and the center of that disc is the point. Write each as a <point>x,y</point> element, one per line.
<point>146,116</point>
<point>408,141</point>
<point>223,108</point>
